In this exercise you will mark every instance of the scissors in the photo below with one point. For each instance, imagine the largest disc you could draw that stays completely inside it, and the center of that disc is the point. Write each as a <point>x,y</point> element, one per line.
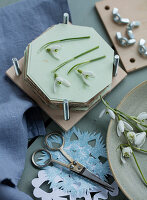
<point>73,164</point>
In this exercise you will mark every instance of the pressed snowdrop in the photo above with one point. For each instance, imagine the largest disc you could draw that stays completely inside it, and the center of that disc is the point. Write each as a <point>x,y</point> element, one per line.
<point>58,80</point>
<point>131,136</point>
<point>107,110</point>
<point>85,75</point>
<point>120,127</point>
<point>53,50</point>
<point>140,139</point>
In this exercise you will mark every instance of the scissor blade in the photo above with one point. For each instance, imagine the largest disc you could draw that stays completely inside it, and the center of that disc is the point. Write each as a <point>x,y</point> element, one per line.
<point>96,179</point>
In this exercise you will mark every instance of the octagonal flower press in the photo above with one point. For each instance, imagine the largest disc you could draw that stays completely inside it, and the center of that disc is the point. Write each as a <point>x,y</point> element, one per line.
<point>69,62</point>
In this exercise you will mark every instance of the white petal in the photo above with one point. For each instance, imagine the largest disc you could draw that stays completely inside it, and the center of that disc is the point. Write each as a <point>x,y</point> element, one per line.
<point>140,139</point>
<point>102,113</point>
<point>66,83</point>
<point>89,73</point>
<point>59,78</point>
<point>111,113</point>
<point>121,125</point>
<point>142,116</point>
<point>85,81</point>
<point>119,133</point>
<point>141,127</point>
<point>53,48</point>
<point>122,158</point>
<point>128,126</point>
<point>53,52</point>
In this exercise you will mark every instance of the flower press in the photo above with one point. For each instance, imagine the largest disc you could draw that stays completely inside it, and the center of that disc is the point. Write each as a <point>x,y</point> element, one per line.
<point>67,63</point>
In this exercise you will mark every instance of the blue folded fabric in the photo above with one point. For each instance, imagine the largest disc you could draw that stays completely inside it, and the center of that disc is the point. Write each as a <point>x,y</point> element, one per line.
<point>20,118</point>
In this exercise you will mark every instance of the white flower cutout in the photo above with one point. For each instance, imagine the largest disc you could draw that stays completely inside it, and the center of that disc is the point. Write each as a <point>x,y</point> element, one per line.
<point>85,75</point>
<point>126,153</point>
<point>53,50</point>
<point>58,80</point>
<point>140,139</point>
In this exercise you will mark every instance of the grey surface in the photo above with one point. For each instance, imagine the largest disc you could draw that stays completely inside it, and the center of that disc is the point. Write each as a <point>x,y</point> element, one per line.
<point>84,13</point>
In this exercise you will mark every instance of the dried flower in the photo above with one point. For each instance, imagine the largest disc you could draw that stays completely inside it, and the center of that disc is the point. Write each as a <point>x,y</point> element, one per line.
<point>53,50</point>
<point>126,153</point>
<point>109,111</point>
<point>85,75</point>
<point>59,80</point>
<point>141,117</point>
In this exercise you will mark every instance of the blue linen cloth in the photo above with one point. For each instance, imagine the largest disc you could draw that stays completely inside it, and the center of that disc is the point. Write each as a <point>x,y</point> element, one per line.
<point>20,118</point>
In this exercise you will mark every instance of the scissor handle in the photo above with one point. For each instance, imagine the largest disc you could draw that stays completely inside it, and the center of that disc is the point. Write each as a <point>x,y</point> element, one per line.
<point>54,148</point>
<point>45,164</point>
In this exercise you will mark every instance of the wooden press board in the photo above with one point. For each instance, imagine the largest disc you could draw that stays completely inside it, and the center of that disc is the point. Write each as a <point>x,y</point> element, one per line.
<point>55,114</point>
<point>134,10</point>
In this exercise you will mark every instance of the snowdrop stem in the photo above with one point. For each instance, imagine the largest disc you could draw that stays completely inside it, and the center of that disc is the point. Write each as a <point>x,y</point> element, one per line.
<point>65,39</point>
<point>82,63</point>
<point>139,168</point>
<point>138,149</point>
<point>75,57</point>
<point>132,118</point>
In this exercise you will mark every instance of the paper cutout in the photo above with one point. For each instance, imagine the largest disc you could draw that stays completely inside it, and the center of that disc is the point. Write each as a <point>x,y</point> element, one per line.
<point>64,182</point>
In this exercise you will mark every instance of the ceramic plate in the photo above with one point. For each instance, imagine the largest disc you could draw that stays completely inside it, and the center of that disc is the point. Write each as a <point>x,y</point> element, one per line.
<point>128,176</point>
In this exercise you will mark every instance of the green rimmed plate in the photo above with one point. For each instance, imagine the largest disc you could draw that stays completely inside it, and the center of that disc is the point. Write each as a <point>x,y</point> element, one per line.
<point>127,176</point>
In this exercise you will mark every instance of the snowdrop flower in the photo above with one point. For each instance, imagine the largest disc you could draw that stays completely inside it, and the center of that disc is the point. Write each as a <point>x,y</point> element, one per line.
<point>85,75</point>
<point>140,139</point>
<point>59,80</point>
<point>107,110</point>
<point>120,127</point>
<point>126,153</point>
<point>53,50</point>
<point>131,137</point>
<point>141,117</point>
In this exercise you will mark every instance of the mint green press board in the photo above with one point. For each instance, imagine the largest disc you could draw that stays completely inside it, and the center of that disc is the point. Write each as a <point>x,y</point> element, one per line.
<point>41,64</point>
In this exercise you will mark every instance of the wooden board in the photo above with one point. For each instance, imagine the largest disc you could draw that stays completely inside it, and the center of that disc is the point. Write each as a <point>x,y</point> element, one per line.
<point>56,115</point>
<point>134,10</point>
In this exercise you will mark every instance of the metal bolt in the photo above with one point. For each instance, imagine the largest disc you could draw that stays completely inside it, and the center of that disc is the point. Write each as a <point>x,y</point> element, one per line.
<point>115,64</point>
<point>124,20</point>
<point>74,162</point>
<point>71,166</point>
<point>133,25</point>
<point>117,18</point>
<point>16,66</point>
<point>142,42</point>
<point>118,35</point>
<point>66,18</point>
<point>130,34</point>
<point>141,48</point>
<point>66,110</point>
<point>131,41</point>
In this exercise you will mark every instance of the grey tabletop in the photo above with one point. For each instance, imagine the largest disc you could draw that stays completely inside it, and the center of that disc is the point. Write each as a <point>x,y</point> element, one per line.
<point>84,13</point>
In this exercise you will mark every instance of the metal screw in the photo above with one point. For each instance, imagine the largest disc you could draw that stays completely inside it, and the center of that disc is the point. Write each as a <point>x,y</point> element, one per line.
<point>71,166</point>
<point>141,48</point>
<point>74,162</point>
<point>16,66</point>
<point>115,64</point>
<point>66,110</point>
<point>117,18</point>
<point>131,41</point>
<point>66,18</point>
